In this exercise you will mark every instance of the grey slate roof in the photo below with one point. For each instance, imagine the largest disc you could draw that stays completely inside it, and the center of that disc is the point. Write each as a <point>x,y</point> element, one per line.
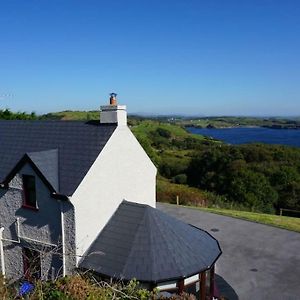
<point>62,150</point>
<point>144,243</point>
<point>47,162</point>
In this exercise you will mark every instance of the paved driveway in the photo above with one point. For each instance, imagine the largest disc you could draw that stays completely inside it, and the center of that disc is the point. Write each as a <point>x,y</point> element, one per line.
<point>258,261</point>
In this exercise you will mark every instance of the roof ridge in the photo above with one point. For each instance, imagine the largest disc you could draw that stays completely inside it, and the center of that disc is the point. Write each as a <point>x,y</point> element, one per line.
<point>135,234</point>
<point>154,216</point>
<point>179,237</point>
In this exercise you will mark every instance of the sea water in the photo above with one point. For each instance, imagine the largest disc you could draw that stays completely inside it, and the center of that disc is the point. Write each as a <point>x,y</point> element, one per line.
<point>244,135</point>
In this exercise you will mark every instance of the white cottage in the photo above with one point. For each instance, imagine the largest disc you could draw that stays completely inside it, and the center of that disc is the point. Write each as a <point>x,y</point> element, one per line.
<point>61,181</point>
<point>82,195</point>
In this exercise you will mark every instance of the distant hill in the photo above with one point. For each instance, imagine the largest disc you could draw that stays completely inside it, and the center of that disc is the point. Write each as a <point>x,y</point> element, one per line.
<point>203,122</point>
<point>223,122</point>
<point>72,115</point>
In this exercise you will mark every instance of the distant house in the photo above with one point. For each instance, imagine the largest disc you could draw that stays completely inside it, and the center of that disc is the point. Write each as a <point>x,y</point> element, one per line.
<point>69,188</point>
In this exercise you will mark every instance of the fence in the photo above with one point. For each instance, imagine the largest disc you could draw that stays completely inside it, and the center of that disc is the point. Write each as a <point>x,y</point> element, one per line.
<point>290,212</point>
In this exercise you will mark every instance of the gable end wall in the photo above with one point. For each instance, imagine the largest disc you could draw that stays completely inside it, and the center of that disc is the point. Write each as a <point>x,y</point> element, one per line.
<point>122,171</point>
<point>43,225</point>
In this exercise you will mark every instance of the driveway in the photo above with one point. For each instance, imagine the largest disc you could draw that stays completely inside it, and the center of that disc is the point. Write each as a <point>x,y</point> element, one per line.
<point>258,261</point>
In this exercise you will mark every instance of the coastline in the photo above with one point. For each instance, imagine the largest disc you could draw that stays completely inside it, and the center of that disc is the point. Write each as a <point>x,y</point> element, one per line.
<point>250,134</point>
<point>277,127</point>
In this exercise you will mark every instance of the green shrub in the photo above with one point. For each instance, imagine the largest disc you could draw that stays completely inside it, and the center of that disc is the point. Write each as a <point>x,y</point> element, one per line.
<point>180,179</point>
<point>79,287</point>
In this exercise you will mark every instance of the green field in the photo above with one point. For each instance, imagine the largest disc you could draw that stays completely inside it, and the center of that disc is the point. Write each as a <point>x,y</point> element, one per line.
<point>69,115</point>
<point>144,128</point>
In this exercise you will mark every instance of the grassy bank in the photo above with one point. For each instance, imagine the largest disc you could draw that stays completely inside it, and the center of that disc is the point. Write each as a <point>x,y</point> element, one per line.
<point>170,192</point>
<point>284,222</point>
<point>194,198</point>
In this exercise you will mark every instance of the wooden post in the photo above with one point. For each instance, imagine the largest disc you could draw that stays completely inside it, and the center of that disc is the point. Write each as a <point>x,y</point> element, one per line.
<point>212,282</point>
<point>177,200</point>
<point>203,286</point>
<point>180,285</point>
<point>280,211</point>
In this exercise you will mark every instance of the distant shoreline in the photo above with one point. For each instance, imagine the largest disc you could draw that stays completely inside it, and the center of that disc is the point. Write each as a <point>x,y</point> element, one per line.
<point>244,126</point>
<point>253,134</point>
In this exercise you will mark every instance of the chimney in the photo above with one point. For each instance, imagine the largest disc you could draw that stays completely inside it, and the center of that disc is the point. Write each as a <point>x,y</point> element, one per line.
<point>113,113</point>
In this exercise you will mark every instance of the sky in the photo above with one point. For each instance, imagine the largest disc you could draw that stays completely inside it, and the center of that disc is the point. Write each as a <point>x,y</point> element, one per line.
<point>191,57</point>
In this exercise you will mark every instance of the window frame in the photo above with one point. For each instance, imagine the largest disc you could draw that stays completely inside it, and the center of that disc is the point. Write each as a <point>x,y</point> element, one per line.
<point>29,191</point>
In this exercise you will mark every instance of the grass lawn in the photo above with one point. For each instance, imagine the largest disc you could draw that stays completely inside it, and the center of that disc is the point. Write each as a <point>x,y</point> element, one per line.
<point>288,223</point>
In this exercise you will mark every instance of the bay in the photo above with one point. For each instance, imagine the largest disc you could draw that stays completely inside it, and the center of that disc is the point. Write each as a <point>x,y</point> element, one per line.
<point>245,135</point>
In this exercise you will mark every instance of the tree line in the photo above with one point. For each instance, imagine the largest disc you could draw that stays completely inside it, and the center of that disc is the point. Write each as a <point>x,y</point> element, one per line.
<point>256,177</point>
<point>7,114</point>
<point>259,177</point>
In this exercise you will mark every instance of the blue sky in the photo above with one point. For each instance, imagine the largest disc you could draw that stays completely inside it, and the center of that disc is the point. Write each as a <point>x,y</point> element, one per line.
<point>200,57</point>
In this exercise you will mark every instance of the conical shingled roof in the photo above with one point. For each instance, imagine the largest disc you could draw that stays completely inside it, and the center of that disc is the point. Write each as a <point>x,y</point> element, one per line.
<point>144,243</point>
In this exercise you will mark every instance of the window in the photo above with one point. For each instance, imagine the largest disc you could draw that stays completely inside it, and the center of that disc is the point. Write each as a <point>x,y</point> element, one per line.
<point>29,191</point>
<point>31,263</point>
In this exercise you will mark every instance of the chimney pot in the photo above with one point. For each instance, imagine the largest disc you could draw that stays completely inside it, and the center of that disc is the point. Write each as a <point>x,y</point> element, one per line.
<point>113,99</point>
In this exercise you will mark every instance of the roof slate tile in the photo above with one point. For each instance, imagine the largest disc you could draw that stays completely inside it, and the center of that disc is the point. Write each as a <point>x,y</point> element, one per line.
<point>78,145</point>
<point>157,248</point>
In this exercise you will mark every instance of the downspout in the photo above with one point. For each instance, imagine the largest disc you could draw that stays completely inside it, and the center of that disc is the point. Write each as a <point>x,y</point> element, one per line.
<point>62,220</point>
<point>2,253</point>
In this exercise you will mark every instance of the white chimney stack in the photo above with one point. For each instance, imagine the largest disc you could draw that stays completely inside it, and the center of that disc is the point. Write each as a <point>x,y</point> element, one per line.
<point>113,113</point>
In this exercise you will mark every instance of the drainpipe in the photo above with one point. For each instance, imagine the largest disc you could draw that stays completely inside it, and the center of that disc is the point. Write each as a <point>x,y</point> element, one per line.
<point>62,219</point>
<point>2,253</point>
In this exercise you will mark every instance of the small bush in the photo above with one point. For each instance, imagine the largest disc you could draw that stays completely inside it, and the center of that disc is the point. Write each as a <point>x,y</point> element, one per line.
<point>179,179</point>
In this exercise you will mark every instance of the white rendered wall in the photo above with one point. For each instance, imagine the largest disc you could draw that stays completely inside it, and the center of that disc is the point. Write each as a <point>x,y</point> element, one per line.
<point>113,114</point>
<point>122,171</point>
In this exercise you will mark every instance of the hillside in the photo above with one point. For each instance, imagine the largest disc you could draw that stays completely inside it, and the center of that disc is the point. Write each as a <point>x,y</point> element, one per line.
<point>203,122</point>
<point>223,122</point>
<point>205,172</point>
<point>254,177</point>
<point>232,121</point>
<point>170,146</point>
<point>72,115</point>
